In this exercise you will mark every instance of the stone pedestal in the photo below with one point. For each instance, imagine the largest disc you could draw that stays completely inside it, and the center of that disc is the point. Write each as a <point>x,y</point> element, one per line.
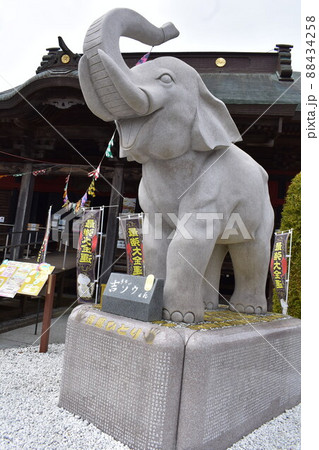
<point>159,387</point>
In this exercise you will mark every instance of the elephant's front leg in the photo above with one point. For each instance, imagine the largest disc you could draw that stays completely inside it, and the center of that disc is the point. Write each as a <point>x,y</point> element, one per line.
<point>187,260</point>
<point>155,244</point>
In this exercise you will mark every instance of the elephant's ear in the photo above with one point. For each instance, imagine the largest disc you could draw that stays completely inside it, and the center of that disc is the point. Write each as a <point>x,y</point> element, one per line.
<point>213,126</point>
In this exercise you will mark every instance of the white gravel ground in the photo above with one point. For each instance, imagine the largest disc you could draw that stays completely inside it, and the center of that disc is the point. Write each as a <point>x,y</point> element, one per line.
<point>30,418</point>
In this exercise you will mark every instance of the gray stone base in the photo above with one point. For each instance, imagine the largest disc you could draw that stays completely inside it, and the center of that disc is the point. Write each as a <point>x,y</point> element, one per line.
<point>155,387</point>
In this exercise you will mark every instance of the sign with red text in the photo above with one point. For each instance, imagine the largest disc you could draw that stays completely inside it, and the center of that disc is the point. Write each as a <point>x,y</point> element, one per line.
<point>132,230</point>
<point>279,265</point>
<point>86,255</point>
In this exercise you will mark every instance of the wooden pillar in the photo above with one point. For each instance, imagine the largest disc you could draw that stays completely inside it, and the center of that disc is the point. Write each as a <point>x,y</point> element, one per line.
<point>47,314</point>
<point>23,211</point>
<point>112,223</point>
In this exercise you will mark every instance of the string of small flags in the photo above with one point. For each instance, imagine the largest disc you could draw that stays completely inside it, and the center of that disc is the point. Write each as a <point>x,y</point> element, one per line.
<point>34,173</point>
<point>84,200</point>
<point>91,190</point>
<point>95,173</point>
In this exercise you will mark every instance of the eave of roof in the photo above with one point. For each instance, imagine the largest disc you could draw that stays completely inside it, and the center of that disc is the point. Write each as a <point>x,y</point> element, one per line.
<point>254,88</point>
<point>10,93</point>
<point>231,88</point>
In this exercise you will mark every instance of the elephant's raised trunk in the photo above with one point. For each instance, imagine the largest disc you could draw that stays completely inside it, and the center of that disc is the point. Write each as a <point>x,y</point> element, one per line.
<point>104,76</point>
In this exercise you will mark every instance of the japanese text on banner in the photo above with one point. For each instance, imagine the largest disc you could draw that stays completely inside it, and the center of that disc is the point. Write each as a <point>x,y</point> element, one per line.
<point>86,256</point>
<point>132,230</point>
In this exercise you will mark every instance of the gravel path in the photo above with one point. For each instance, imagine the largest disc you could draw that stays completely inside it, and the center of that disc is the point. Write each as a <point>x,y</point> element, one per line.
<point>30,418</point>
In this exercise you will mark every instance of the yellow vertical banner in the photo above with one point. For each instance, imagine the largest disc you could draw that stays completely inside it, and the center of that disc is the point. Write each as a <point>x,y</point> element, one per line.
<point>279,265</point>
<point>132,230</point>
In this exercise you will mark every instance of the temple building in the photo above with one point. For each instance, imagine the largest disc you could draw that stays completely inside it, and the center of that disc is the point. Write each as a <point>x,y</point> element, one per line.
<point>47,132</point>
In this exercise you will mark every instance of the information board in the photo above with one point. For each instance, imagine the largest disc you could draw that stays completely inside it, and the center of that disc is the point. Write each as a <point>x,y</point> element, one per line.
<point>17,277</point>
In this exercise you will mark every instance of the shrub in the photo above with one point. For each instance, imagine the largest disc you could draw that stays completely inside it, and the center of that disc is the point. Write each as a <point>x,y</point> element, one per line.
<point>291,218</point>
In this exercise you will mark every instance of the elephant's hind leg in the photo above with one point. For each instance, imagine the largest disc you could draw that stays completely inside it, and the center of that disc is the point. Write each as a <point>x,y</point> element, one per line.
<point>251,262</point>
<point>210,284</point>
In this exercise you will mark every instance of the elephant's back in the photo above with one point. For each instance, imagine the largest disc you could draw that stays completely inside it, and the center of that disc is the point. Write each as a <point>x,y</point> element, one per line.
<point>242,167</point>
<point>242,181</point>
<point>250,180</point>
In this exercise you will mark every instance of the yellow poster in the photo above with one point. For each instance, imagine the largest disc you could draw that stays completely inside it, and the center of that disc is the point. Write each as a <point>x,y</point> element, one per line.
<point>23,278</point>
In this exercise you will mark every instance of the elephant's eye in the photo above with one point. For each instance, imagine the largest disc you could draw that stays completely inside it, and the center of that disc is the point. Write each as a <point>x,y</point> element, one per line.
<point>166,78</point>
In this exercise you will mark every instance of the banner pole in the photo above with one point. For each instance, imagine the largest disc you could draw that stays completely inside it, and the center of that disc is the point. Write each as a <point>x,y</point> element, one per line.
<point>65,252</point>
<point>100,233</point>
<point>289,262</point>
<point>47,233</point>
<point>284,302</point>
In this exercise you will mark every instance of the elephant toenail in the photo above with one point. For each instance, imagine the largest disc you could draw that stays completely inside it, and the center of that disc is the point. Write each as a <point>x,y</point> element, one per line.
<point>249,309</point>
<point>258,310</point>
<point>238,307</point>
<point>177,316</point>
<point>189,317</point>
<point>166,314</point>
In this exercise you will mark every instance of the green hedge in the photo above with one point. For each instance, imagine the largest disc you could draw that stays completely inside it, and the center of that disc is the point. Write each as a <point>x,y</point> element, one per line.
<point>291,218</point>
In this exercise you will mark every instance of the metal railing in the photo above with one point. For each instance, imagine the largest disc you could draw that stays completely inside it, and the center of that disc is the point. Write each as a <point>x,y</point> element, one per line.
<point>33,239</point>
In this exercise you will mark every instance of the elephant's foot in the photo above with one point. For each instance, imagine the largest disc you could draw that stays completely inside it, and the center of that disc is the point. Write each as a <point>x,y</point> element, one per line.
<point>248,305</point>
<point>187,317</point>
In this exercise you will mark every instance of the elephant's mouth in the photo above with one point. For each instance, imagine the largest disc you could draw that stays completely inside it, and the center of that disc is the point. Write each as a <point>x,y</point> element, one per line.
<point>128,130</point>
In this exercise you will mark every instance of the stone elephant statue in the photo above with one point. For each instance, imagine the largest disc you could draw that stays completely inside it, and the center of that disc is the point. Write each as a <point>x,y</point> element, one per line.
<point>203,195</point>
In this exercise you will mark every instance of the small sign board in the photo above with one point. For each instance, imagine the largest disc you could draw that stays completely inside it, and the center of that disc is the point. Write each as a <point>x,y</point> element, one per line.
<point>132,296</point>
<point>33,226</point>
<point>121,244</point>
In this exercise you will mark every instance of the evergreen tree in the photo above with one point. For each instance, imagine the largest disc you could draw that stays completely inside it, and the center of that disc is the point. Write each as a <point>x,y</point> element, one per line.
<point>291,218</point>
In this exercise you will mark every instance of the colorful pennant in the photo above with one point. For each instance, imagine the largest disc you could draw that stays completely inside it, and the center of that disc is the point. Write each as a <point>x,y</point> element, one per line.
<point>84,199</point>
<point>91,190</point>
<point>95,173</point>
<point>65,192</point>
<point>39,172</point>
<point>144,58</point>
<point>108,151</point>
